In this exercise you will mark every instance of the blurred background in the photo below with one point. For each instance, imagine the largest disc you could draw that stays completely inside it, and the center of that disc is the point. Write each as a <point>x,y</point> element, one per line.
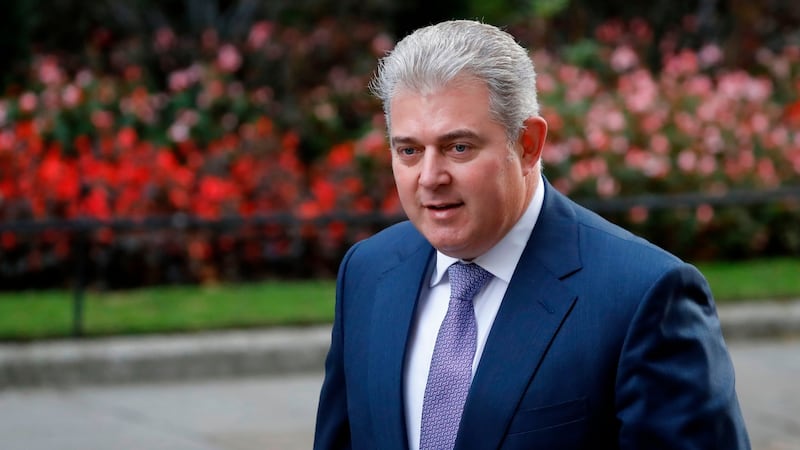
<point>214,145</point>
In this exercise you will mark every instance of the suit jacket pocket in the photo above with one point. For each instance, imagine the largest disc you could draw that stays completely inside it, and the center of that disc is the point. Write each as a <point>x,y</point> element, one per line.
<point>549,416</point>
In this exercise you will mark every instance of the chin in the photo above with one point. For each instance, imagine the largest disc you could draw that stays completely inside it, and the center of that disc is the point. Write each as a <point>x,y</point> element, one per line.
<point>453,250</point>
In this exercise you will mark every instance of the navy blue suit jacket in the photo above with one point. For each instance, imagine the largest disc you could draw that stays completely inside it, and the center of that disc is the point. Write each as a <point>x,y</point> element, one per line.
<point>602,341</point>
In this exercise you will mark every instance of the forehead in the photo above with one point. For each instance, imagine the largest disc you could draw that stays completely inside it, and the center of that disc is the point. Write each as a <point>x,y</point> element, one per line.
<point>462,103</point>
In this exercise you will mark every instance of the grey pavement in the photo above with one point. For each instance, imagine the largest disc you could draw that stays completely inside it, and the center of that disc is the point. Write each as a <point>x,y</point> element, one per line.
<point>264,352</point>
<point>257,389</point>
<point>277,412</point>
<point>269,413</point>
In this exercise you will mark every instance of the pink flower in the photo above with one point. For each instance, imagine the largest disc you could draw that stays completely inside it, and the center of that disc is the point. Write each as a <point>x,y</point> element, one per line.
<point>102,119</point>
<point>615,120</point>
<point>568,74</point>
<point>652,121</point>
<point>228,58</point>
<point>707,165</point>
<point>686,123</point>
<point>545,83</point>
<point>794,157</point>
<point>684,63</point>
<point>656,166</point>
<point>638,214</point>
<point>659,144</point>
<point>49,71</point>
<point>28,102</point>
<point>178,81</point>
<point>607,186</point>
<point>585,86</point>
<point>325,111</point>
<point>699,85</point>
<point>710,55</point>
<point>758,90</point>
<point>766,172</point>
<point>687,160</point>
<point>373,144</point>
<point>635,158</point>
<point>712,138</point>
<point>778,137</point>
<point>641,30</point>
<point>178,132</point>
<point>164,39</point>
<point>639,90</point>
<point>598,139</point>
<point>555,153</point>
<point>619,144</point>
<point>623,59</point>
<point>381,44</point>
<point>71,96</point>
<point>704,213</point>
<point>760,123</point>
<point>609,32</point>
<point>259,34</point>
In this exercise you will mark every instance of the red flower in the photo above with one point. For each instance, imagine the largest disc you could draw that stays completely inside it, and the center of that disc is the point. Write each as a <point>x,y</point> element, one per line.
<point>792,114</point>
<point>25,129</point>
<point>95,204</point>
<point>341,155</point>
<point>308,210</point>
<point>126,138</point>
<point>215,189</point>
<point>8,240</point>
<point>325,193</point>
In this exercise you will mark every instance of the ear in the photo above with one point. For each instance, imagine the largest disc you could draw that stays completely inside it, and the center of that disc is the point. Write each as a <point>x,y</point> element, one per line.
<point>531,141</point>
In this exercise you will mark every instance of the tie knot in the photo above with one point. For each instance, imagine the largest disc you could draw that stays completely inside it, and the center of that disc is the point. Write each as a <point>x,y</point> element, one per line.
<point>466,280</point>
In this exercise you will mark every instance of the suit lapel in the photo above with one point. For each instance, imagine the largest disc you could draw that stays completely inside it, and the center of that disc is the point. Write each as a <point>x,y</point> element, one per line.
<point>533,309</point>
<point>395,301</point>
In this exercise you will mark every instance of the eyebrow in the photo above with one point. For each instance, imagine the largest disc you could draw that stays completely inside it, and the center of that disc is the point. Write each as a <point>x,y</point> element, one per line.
<point>461,133</point>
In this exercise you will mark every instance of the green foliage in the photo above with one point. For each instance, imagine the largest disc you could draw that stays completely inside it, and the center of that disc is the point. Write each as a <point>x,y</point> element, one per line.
<point>546,9</point>
<point>509,11</point>
<point>777,278</point>
<point>47,314</point>
<point>584,53</point>
<point>32,315</point>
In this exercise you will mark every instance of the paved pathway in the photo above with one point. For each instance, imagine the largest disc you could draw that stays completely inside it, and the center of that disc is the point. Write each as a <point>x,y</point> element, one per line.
<point>278,413</point>
<point>768,383</point>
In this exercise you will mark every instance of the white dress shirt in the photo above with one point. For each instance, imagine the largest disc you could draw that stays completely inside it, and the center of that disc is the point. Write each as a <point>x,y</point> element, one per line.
<point>500,261</point>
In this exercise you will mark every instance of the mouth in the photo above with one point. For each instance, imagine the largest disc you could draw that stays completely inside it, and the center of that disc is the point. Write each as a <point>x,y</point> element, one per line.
<point>442,206</point>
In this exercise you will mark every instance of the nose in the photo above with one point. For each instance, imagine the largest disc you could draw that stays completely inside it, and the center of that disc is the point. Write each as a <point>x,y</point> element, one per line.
<point>433,170</point>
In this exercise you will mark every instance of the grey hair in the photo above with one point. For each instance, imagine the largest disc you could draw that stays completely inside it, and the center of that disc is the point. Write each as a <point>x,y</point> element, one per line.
<point>431,57</point>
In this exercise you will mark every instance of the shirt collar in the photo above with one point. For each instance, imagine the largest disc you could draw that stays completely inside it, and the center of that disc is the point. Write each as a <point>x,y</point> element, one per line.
<point>501,260</point>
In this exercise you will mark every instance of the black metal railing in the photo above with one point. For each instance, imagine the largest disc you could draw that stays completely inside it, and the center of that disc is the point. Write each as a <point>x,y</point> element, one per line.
<point>83,229</point>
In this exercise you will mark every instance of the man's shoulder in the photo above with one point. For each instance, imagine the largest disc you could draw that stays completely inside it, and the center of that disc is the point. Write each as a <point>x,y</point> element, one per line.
<point>599,235</point>
<point>390,244</point>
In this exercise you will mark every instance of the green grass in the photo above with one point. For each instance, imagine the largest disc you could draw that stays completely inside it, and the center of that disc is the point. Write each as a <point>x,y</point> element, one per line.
<point>32,315</point>
<point>47,314</point>
<point>753,280</point>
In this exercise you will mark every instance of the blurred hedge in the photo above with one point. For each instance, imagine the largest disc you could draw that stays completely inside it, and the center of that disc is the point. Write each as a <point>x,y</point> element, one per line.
<point>226,110</point>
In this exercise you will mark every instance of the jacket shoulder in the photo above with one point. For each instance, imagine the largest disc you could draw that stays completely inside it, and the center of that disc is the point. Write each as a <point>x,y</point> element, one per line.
<point>388,247</point>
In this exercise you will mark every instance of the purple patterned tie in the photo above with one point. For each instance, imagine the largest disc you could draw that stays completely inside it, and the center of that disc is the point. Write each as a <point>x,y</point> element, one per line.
<point>451,365</point>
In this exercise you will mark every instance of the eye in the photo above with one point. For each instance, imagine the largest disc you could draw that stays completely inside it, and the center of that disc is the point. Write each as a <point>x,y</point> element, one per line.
<point>460,148</point>
<point>408,153</point>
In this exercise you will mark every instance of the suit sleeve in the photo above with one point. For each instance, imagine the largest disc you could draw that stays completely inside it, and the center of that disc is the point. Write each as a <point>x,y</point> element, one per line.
<point>333,426</point>
<point>675,382</point>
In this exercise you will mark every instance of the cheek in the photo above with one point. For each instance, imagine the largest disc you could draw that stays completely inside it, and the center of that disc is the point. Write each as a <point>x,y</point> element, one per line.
<point>403,179</point>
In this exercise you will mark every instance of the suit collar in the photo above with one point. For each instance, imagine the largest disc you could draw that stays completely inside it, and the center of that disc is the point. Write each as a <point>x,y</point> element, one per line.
<point>396,295</point>
<point>533,309</point>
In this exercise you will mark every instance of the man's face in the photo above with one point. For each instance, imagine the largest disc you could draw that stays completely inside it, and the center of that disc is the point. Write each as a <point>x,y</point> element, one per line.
<point>458,180</point>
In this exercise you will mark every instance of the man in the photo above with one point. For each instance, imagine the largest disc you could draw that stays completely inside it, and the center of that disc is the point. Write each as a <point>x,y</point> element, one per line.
<point>574,334</point>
